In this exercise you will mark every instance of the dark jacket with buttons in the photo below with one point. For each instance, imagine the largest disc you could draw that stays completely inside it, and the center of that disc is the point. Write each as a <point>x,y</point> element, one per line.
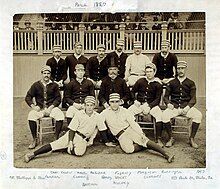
<point>77,92</point>
<point>71,62</point>
<point>58,70</point>
<point>108,86</point>
<point>180,94</point>
<point>44,96</point>
<point>96,70</point>
<point>119,61</point>
<point>149,92</point>
<point>165,65</point>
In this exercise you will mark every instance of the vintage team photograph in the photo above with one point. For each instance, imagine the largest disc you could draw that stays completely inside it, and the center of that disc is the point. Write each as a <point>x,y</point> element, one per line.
<point>124,90</point>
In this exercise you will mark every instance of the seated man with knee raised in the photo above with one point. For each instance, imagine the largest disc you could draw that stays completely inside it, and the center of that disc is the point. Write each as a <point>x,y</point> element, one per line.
<point>129,134</point>
<point>180,98</point>
<point>48,98</point>
<point>82,131</point>
<point>146,94</point>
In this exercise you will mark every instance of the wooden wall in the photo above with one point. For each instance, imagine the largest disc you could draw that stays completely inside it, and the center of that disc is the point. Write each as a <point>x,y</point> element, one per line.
<point>26,70</point>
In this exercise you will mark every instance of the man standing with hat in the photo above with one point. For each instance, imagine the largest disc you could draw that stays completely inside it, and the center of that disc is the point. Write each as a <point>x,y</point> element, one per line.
<point>135,64</point>
<point>82,131</point>
<point>76,58</point>
<point>58,66</point>
<point>76,92</point>
<point>113,84</point>
<point>119,57</point>
<point>180,98</point>
<point>96,68</point>
<point>129,134</point>
<point>47,97</point>
<point>165,63</point>
<point>146,94</point>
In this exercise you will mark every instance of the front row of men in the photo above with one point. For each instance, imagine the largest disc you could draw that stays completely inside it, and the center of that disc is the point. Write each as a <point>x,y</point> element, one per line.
<point>180,98</point>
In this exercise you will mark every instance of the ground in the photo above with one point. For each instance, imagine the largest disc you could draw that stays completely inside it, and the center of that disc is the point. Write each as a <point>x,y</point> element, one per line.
<point>100,156</point>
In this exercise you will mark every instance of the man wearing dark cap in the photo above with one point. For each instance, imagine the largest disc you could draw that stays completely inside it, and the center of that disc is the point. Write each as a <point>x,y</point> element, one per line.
<point>76,58</point>
<point>97,67</point>
<point>47,97</point>
<point>146,94</point>
<point>165,62</point>
<point>113,84</point>
<point>135,65</point>
<point>119,57</point>
<point>180,98</point>
<point>58,66</point>
<point>82,131</point>
<point>129,134</point>
<point>76,92</point>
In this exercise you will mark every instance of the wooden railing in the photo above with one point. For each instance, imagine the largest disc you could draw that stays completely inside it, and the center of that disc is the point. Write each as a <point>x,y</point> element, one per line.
<point>41,41</point>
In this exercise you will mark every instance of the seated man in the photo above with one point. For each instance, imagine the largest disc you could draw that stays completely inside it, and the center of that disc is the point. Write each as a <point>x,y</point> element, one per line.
<point>147,95</point>
<point>135,65</point>
<point>76,91</point>
<point>129,134</point>
<point>58,66</point>
<point>96,68</point>
<point>180,98</point>
<point>113,84</point>
<point>83,129</point>
<point>47,97</point>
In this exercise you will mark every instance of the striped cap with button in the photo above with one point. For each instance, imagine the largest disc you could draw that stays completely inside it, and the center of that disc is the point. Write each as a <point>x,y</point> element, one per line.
<point>114,97</point>
<point>90,99</point>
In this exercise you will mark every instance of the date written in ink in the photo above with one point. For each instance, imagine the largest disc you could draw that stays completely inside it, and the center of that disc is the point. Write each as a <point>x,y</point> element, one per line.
<point>99,4</point>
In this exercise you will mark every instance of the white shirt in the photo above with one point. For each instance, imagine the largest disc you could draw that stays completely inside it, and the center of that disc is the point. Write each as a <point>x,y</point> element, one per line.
<point>118,120</point>
<point>136,64</point>
<point>77,56</point>
<point>57,60</point>
<point>86,124</point>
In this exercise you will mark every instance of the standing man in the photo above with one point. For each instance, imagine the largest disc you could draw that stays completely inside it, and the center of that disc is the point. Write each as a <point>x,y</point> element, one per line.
<point>76,92</point>
<point>82,131</point>
<point>113,84</point>
<point>119,57</point>
<point>96,68</point>
<point>47,97</point>
<point>129,134</point>
<point>165,63</point>
<point>58,66</point>
<point>76,58</point>
<point>135,65</point>
<point>146,94</point>
<point>180,98</point>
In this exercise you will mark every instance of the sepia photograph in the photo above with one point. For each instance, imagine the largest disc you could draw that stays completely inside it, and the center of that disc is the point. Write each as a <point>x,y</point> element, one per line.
<point>124,90</point>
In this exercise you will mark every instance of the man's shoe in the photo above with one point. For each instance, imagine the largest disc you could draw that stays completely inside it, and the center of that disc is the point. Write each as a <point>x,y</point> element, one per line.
<point>160,143</point>
<point>170,142</point>
<point>28,157</point>
<point>33,144</point>
<point>192,143</point>
<point>170,158</point>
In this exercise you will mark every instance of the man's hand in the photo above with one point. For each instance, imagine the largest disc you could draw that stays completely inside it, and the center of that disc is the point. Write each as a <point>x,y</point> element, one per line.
<point>110,144</point>
<point>170,106</point>
<point>106,105</point>
<point>126,79</point>
<point>137,103</point>
<point>70,147</point>
<point>60,83</point>
<point>98,84</point>
<point>48,110</point>
<point>185,110</point>
<point>36,108</point>
<point>121,102</point>
<point>89,143</point>
<point>78,106</point>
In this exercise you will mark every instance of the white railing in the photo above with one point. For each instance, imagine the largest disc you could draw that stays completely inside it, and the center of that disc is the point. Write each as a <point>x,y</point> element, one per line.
<point>41,41</point>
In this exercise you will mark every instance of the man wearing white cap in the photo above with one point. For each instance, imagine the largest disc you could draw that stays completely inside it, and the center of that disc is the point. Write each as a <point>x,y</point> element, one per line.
<point>74,59</point>
<point>129,134</point>
<point>135,65</point>
<point>180,98</point>
<point>119,57</point>
<point>58,66</point>
<point>82,131</point>
<point>96,68</point>
<point>165,63</point>
<point>146,94</point>
<point>48,98</point>
<point>76,92</point>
